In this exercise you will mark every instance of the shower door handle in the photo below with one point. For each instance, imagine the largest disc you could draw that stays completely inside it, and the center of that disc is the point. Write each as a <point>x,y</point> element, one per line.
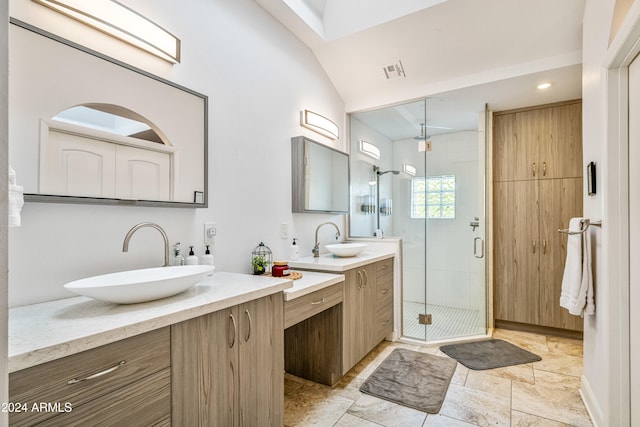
<point>475,247</point>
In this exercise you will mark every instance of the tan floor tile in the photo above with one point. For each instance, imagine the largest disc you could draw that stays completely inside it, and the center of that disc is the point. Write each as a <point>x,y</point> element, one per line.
<point>522,373</point>
<point>313,406</point>
<point>349,387</point>
<point>386,413</point>
<point>566,346</point>
<point>560,363</point>
<point>531,342</point>
<point>460,374</point>
<point>520,419</point>
<point>479,380</point>
<point>476,407</point>
<point>437,420</point>
<point>348,420</point>
<point>554,397</point>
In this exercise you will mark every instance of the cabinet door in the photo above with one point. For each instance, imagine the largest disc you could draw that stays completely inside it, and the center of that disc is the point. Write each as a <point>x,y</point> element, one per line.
<point>504,147</point>
<point>527,163</point>
<point>261,354</point>
<point>357,323</point>
<point>560,200</point>
<point>560,150</point>
<point>516,249</point>
<point>204,370</point>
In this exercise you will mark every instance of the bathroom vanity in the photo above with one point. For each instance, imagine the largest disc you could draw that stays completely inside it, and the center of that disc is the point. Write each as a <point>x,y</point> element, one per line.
<point>212,355</point>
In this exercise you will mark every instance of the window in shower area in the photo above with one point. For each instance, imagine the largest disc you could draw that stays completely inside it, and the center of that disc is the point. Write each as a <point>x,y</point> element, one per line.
<point>433,197</point>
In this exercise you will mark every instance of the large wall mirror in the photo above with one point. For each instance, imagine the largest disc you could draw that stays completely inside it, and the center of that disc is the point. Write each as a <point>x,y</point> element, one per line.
<point>320,177</point>
<point>86,128</point>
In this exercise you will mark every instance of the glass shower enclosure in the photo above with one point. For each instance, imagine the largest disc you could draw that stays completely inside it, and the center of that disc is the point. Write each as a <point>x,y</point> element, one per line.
<point>418,173</point>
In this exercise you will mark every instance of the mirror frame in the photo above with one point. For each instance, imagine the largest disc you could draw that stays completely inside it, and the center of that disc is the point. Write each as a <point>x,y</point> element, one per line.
<point>46,198</point>
<point>298,176</point>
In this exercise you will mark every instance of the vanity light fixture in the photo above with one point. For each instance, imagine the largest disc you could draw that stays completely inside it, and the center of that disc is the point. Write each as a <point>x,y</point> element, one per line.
<point>543,86</point>
<point>369,149</point>
<point>117,20</point>
<point>409,169</point>
<point>318,123</point>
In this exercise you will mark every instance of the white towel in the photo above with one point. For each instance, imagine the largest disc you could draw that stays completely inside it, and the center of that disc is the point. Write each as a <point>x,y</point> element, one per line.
<point>577,281</point>
<point>16,199</point>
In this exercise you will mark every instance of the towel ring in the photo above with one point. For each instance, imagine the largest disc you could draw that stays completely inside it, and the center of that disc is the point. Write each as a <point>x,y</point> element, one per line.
<point>584,225</point>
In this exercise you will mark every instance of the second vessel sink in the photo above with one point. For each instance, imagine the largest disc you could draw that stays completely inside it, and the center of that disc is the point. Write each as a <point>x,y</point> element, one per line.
<point>346,249</point>
<point>134,286</point>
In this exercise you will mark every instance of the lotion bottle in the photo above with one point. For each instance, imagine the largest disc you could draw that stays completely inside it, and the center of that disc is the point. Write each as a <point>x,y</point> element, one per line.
<point>179,259</point>
<point>207,258</point>
<point>294,251</point>
<point>192,259</point>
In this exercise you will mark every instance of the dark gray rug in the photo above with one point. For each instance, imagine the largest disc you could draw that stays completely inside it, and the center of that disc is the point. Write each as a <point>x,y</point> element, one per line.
<point>489,354</point>
<point>412,379</point>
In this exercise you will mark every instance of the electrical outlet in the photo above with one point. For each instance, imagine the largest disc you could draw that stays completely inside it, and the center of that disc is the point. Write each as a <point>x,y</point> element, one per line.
<point>284,230</point>
<point>210,232</point>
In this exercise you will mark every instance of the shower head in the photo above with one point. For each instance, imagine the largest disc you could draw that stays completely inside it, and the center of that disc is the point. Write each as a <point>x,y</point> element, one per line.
<point>422,136</point>
<point>379,172</point>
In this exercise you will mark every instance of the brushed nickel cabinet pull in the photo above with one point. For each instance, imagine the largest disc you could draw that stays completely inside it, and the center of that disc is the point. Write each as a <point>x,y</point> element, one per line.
<point>533,167</point>
<point>366,277</point>
<point>249,331</point>
<point>318,302</point>
<point>544,168</point>
<point>233,323</point>
<point>385,291</point>
<point>97,375</point>
<point>544,247</point>
<point>533,242</point>
<point>360,279</point>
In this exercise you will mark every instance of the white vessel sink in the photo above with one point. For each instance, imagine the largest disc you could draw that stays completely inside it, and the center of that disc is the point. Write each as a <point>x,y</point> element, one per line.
<point>346,249</point>
<point>129,287</point>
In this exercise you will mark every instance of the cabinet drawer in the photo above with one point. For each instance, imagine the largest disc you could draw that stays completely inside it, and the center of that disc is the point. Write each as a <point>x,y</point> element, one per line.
<point>384,322</point>
<point>100,371</point>
<point>146,402</point>
<point>384,293</point>
<point>384,267</point>
<point>309,305</point>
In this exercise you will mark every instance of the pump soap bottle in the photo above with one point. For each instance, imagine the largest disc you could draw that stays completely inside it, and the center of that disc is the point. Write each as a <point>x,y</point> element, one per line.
<point>207,258</point>
<point>293,251</point>
<point>192,259</point>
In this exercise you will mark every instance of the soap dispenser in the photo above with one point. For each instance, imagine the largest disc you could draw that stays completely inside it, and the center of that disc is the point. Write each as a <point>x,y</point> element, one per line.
<point>192,259</point>
<point>294,251</point>
<point>179,259</point>
<point>207,258</point>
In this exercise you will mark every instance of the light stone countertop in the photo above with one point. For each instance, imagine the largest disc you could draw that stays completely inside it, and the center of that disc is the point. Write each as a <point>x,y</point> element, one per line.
<point>330,263</point>
<point>51,330</point>
<point>311,282</point>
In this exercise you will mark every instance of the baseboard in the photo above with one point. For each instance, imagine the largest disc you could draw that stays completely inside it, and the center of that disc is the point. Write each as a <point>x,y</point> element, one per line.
<point>591,403</point>
<point>537,329</point>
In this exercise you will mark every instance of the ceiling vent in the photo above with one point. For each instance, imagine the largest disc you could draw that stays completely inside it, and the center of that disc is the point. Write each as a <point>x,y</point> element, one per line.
<point>394,71</point>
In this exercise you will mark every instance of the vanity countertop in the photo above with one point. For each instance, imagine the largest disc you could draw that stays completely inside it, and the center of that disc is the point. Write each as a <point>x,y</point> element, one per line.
<point>39,333</point>
<point>311,282</point>
<point>329,262</point>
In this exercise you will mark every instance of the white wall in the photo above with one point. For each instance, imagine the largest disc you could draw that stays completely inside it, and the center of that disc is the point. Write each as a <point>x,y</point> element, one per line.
<point>602,380</point>
<point>258,77</point>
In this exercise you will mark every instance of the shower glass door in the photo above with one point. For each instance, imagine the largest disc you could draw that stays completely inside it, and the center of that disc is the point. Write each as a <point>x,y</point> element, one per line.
<point>436,204</point>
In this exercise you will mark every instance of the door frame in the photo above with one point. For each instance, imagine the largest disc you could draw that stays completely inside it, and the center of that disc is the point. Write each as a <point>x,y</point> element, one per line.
<point>623,50</point>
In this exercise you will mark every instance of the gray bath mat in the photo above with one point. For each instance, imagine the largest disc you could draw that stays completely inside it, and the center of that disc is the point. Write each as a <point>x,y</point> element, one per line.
<point>412,379</point>
<point>489,354</point>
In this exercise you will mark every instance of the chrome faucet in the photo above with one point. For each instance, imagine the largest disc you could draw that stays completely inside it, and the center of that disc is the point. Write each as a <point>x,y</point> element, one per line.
<point>125,244</point>
<point>316,247</point>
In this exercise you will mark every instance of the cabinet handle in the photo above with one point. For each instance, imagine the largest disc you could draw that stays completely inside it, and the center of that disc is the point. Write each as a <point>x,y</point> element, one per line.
<point>544,168</point>
<point>318,302</point>
<point>233,323</point>
<point>385,291</point>
<point>366,277</point>
<point>97,375</point>
<point>533,167</point>
<point>360,279</point>
<point>544,247</point>
<point>384,267</point>
<point>386,322</point>
<point>533,242</point>
<point>249,331</point>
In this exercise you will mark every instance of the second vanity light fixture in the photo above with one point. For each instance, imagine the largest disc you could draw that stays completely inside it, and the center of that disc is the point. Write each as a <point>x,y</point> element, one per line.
<point>409,169</point>
<point>369,149</point>
<point>117,20</point>
<point>319,124</point>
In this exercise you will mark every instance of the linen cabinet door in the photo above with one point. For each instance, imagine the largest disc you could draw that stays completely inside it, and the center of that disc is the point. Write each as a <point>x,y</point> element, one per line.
<point>261,354</point>
<point>204,367</point>
<point>560,200</point>
<point>527,163</point>
<point>516,251</point>
<point>561,141</point>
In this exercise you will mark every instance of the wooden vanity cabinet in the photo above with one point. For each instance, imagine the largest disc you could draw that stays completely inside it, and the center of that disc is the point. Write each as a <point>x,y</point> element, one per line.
<point>228,366</point>
<point>123,383</point>
<point>368,310</point>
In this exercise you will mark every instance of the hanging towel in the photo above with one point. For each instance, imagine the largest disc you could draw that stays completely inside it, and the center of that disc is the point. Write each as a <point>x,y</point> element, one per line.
<point>577,281</point>
<point>16,199</point>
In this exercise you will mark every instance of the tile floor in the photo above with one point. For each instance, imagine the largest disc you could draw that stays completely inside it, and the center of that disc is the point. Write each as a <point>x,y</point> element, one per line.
<point>543,393</point>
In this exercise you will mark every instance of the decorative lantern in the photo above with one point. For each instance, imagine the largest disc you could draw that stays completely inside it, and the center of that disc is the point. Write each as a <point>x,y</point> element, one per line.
<point>261,259</point>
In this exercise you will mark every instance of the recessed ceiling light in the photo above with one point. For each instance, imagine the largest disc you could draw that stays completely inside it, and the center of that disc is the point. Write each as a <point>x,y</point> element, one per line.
<point>545,85</point>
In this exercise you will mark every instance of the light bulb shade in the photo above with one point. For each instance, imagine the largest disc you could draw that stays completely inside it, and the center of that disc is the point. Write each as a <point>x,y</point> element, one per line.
<point>117,20</point>
<point>369,149</point>
<point>319,124</point>
<point>409,169</point>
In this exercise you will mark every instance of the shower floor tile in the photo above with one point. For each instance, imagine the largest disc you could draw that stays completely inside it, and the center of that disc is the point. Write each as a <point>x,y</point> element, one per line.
<point>448,322</point>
